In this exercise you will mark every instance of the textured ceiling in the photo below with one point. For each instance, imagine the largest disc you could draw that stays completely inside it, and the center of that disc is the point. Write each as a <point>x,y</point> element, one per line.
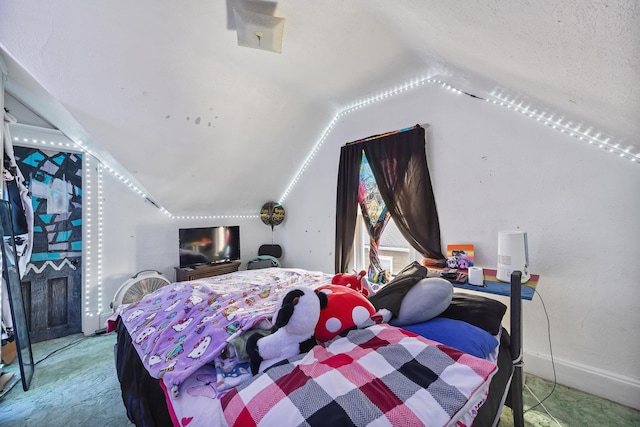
<point>163,89</point>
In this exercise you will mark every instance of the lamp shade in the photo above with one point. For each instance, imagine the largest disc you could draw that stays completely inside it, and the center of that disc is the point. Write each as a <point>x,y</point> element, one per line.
<point>513,255</point>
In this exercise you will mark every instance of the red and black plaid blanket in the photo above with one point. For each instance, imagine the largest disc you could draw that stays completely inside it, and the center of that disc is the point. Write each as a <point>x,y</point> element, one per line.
<point>380,375</point>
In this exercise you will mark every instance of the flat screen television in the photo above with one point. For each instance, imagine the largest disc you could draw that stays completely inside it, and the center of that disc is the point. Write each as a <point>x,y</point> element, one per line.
<point>208,245</point>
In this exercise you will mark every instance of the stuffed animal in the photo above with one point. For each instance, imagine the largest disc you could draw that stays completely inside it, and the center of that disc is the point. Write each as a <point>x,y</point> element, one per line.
<point>463,263</point>
<point>357,282</point>
<point>452,262</point>
<point>345,309</point>
<point>292,332</point>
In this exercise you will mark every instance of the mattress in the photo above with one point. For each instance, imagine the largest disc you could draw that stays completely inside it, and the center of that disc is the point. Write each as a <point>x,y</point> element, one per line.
<point>149,402</point>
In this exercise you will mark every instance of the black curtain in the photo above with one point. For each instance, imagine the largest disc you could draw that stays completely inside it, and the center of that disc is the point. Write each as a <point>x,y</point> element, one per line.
<point>399,164</point>
<point>347,204</point>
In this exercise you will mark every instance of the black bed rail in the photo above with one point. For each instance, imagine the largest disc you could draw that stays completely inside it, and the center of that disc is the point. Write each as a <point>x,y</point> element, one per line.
<point>516,348</point>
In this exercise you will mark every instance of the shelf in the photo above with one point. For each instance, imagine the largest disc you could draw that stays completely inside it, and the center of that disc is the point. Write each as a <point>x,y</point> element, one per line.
<point>200,272</point>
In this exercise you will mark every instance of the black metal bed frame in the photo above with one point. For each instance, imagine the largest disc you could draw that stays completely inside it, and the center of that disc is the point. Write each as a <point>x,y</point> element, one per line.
<point>515,302</point>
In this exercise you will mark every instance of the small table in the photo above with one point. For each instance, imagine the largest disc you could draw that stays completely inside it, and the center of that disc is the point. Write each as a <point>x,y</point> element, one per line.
<point>493,286</point>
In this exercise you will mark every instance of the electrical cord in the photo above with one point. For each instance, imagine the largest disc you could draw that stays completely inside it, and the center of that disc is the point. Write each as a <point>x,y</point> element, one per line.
<point>71,344</point>
<point>473,96</point>
<point>541,404</point>
<point>65,347</point>
<point>553,366</point>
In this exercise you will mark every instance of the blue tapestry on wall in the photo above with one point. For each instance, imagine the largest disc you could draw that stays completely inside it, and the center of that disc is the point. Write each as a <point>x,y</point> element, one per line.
<point>55,181</point>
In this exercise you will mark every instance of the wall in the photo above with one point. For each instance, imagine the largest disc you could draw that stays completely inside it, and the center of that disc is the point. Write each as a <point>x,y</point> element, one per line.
<point>138,236</point>
<point>494,169</point>
<point>124,234</point>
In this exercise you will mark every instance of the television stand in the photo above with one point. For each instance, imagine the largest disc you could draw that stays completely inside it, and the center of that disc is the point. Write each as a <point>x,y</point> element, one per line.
<point>192,273</point>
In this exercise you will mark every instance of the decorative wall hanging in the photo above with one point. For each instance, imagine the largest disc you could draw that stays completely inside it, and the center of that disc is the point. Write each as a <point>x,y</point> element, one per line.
<point>272,213</point>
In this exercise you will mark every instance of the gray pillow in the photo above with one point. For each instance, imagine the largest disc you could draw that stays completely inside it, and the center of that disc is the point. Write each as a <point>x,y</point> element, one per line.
<point>425,300</point>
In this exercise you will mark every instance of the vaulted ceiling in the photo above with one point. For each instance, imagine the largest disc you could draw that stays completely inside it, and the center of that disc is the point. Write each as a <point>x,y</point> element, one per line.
<point>162,88</point>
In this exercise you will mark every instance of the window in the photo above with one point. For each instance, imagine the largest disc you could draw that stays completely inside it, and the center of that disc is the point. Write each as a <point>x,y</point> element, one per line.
<point>400,164</point>
<point>394,251</point>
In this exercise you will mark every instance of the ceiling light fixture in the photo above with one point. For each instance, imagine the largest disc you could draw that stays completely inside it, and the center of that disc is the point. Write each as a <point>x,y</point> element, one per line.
<point>258,30</point>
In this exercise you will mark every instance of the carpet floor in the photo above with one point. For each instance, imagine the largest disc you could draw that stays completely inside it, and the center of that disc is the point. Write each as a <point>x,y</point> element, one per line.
<point>75,384</point>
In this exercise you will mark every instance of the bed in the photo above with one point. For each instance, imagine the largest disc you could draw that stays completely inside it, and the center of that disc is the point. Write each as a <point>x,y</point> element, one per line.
<point>173,368</point>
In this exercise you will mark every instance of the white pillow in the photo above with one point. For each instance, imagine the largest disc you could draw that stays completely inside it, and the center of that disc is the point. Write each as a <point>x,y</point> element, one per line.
<point>425,300</point>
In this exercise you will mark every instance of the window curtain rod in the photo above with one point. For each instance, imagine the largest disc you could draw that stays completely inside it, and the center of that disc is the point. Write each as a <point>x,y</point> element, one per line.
<point>382,135</point>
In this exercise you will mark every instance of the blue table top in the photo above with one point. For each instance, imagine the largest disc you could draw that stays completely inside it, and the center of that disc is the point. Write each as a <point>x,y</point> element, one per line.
<point>497,288</point>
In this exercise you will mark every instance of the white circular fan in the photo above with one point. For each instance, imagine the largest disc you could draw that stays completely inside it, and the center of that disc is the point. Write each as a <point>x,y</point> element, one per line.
<point>134,289</point>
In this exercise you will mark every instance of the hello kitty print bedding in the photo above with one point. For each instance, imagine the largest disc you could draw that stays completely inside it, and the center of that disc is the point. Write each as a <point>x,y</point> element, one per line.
<point>185,325</point>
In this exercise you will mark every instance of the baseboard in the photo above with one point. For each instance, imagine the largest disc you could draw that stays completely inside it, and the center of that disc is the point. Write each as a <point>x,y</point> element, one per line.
<point>623,390</point>
<point>103,319</point>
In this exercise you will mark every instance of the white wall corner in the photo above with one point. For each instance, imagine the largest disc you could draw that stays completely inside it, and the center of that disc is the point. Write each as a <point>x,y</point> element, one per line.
<point>3,68</point>
<point>620,389</point>
<point>103,318</point>
<point>90,324</point>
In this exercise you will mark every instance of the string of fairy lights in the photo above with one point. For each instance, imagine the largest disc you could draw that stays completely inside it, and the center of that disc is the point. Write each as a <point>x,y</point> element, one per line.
<point>590,135</point>
<point>93,228</point>
<point>560,123</point>
<point>100,235</point>
<point>88,236</point>
<point>212,216</point>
